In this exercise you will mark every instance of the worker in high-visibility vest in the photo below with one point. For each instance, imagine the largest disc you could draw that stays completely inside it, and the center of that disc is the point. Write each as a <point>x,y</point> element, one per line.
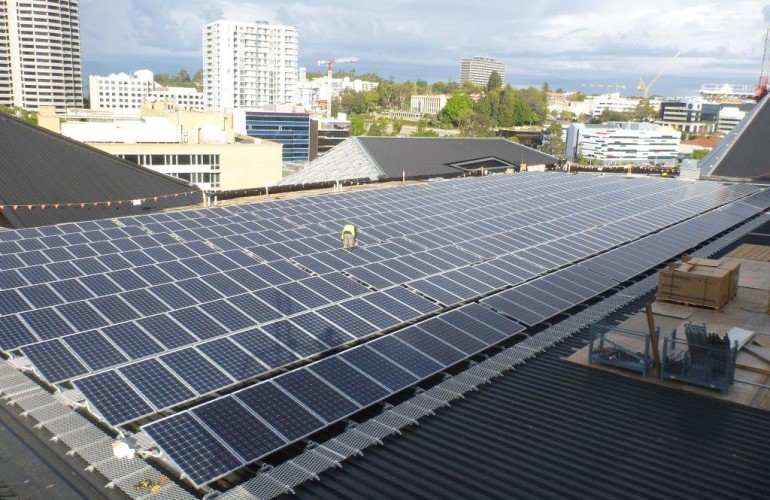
<point>349,237</point>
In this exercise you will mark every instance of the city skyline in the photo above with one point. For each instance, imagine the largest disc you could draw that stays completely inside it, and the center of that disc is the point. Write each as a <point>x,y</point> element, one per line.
<point>572,46</point>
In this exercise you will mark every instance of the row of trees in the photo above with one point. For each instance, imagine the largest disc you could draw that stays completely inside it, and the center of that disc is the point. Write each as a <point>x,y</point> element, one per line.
<point>181,79</point>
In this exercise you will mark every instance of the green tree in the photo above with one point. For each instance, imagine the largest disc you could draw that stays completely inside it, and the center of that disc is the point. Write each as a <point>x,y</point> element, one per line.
<point>352,102</point>
<point>554,144</point>
<point>576,97</point>
<point>495,81</point>
<point>698,154</point>
<point>454,106</point>
<point>375,130</point>
<point>27,116</point>
<point>423,131</point>
<point>357,126</point>
<point>473,124</point>
<point>644,111</point>
<point>546,87</point>
<point>397,126</point>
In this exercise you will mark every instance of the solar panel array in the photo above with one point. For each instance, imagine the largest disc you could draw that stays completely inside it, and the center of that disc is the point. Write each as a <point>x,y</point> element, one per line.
<point>147,313</point>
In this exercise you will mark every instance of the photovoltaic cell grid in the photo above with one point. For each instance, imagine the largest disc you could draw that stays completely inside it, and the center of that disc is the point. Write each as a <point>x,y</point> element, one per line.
<point>430,255</point>
<point>261,419</point>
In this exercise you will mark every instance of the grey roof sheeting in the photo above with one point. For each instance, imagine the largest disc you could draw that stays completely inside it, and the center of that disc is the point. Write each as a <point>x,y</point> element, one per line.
<point>552,429</point>
<point>745,151</point>
<point>432,156</point>
<point>384,158</point>
<point>39,167</point>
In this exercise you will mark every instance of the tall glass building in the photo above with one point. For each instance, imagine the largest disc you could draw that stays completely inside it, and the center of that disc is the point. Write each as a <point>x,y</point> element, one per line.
<point>40,54</point>
<point>292,130</point>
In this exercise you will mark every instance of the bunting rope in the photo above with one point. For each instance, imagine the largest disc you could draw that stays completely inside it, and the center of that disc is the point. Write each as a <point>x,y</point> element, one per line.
<point>93,204</point>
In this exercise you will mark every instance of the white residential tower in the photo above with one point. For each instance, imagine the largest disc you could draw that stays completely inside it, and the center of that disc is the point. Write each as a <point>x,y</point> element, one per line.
<point>40,54</point>
<point>249,65</point>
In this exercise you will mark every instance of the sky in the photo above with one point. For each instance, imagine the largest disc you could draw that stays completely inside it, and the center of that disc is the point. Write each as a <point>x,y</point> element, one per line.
<point>589,45</point>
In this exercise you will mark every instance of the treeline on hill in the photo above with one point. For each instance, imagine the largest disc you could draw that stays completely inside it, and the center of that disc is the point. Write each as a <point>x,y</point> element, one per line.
<point>181,79</point>
<point>474,110</point>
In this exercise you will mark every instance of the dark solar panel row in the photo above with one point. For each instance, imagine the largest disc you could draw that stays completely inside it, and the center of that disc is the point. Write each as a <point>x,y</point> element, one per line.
<point>247,425</point>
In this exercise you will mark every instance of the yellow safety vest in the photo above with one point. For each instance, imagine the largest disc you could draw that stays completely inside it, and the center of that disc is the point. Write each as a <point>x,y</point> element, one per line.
<point>348,228</point>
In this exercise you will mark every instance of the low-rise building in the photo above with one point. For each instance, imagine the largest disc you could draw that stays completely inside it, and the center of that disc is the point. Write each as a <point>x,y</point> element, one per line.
<point>123,92</point>
<point>314,94</point>
<point>428,104</point>
<point>201,148</point>
<point>623,142</point>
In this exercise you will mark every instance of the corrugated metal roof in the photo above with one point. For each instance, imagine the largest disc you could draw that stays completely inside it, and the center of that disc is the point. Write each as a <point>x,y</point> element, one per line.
<point>744,151</point>
<point>41,167</point>
<point>554,429</point>
<point>432,156</point>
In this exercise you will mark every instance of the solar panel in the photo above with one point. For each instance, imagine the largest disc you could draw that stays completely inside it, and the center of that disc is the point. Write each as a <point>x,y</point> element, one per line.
<point>13,333</point>
<point>228,315</point>
<point>193,448</point>
<point>113,398</point>
<point>296,340</point>
<point>54,361</point>
<point>100,285</point>
<point>497,322</point>
<point>452,336</point>
<point>236,426</point>
<point>280,411</point>
<point>198,323</point>
<point>349,381</point>
<point>411,299</point>
<point>114,308</point>
<point>95,350</point>
<point>392,306</point>
<point>198,289</point>
<point>379,368</point>
<point>144,302</point>
<point>440,351</point>
<point>318,396</point>
<point>11,302</point>
<point>346,320</point>
<point>233,359</point>
<point>157,383</point>
<point>328,333</point>
<point>247,279</point>
<point>406,356</point>
<point>168,332</point>
<point>325,288</point>
<point>81,315</point>
<point>303,294</point>
<point>266,349</point>
<point>64,270</point>
<point>372,279</point>
<point>371,313</point>
<point>196,370</point>
<point>346,284</point>
<point>435,292</point>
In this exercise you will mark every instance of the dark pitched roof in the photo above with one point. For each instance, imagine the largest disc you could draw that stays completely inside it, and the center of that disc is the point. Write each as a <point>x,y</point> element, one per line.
<point>745,150</point>
<point>551,429</point>
<point>40,167</point>
<point>434,156</point>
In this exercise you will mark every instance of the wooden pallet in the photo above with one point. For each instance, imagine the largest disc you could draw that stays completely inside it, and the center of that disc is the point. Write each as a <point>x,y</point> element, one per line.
<point>751,252</point>
<point>689,304</point>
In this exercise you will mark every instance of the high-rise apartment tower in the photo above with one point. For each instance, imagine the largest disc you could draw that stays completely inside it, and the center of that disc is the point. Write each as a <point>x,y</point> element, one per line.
<point>249,65</point>
<point>40,54</point>
<point>477,70</point>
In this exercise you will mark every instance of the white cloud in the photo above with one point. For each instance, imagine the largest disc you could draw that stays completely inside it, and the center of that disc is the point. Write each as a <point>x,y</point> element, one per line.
<point>605,41</point>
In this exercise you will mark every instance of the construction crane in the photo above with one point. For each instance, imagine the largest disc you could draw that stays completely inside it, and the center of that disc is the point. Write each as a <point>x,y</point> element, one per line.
<point>646,88</point>
<point>329,66</point>
<point>764,74</point>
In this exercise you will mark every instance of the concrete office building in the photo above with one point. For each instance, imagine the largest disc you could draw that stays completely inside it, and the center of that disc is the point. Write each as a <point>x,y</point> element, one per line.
<point>477,70</point>
<point>623,142</point>
<point>428,104</point>
<point>40,54</point>
<point>201,148</point>
<point>249,65</point>
<point>121,91</point>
